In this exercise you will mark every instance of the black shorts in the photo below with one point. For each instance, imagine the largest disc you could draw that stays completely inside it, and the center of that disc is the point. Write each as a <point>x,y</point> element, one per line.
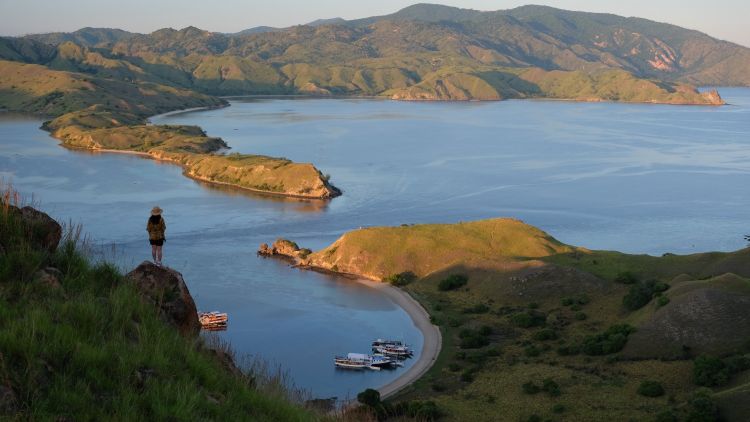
<point>158,242</point>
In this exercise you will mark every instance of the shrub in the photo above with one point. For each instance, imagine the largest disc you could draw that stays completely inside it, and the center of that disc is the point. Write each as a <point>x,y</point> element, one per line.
<point>626,277</point>
<point>568,350</point>
<point>454,367</point>
<point>662,301</point>
<point>710,371</point>
<point>474,342</point>
<point>641,293</point>
<point>530,388</point>
<point>423,410</point>
<point>369,397</point>
<point>534,418</point>
<point>531,351</point>
<point>401,279</point>
<point>651,389</point>
<point>304,252</point>
<point>667,416</point>
<point>558,408</point>
<point>452,282</point>
<point>702,407</point>
<point>545,334</point>
<point>737,363</point>
<point>528,319</point>
<point>476,309</point>
<point>580,316</point>
<point>473,339</point>
<point>467,375</point>
<point>551,387</point>
<point>608,342</point>
<point>638,296</point>
<point>567,301</point>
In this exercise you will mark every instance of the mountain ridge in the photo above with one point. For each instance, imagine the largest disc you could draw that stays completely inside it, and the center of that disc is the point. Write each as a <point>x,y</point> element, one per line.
<point>414,41</point>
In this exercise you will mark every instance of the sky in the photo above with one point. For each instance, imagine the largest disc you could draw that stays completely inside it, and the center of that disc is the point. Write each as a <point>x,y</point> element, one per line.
<point>724,19</point>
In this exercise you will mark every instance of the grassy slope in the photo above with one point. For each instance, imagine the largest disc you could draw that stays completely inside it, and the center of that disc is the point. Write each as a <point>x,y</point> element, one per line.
<point>97,113</point>
<point>480,384</point>
<point>423,249</point>
<point>92,350</point>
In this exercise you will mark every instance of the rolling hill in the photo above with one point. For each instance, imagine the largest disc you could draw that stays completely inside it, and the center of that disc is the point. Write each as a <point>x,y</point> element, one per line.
<point>419,52</point>
<point>534,329</point>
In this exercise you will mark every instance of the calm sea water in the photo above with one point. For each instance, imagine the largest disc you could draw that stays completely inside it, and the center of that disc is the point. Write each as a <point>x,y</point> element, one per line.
<point>635,178</point>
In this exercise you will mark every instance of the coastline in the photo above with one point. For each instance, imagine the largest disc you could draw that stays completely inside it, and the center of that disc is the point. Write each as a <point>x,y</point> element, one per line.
<point>432,339</point>
<point>190,176</point>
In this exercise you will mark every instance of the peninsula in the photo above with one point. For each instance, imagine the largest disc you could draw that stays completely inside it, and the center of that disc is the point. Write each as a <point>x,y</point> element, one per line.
<point>109,115</point>
<point>555,326</point>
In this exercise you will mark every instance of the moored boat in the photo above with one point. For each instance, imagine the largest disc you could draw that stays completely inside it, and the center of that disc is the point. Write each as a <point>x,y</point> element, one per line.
<point>395,348</point>
<point>213,321</point>
<point>355,361</point>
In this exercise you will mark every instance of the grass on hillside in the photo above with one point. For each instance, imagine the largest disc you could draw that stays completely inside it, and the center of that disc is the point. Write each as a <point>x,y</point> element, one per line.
<point>533,328</point>
<point>92,350</point>
<point>424,248</point>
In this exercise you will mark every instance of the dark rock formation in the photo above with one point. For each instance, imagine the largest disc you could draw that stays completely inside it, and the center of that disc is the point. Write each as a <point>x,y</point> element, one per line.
<point>165,288</point>
<point>44,232</point>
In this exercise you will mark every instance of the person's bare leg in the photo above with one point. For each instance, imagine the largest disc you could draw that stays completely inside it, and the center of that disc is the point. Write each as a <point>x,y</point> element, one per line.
<point>153,252</point>
<point>158,253</point>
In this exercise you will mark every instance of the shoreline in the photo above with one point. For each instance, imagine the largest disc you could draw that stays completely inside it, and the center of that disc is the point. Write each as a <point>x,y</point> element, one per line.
<point>185,173</point>
<point>432,339</point>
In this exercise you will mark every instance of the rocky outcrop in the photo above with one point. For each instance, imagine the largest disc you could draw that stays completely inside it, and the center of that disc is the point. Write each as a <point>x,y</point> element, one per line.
<point>713,97</point>
<point>49,277</point>
<point>44,232</point>
<point>284,248</point>
<point>165,288</point>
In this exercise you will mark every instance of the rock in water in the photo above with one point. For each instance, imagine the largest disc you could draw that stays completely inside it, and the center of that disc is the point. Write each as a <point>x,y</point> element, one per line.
<point>285,247</point>
<point>165,288</point>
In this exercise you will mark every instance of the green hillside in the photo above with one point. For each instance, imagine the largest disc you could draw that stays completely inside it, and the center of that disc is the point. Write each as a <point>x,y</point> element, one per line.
<point>79,342</point>
<point>534,329</point>
<point>421,52</point>
<point>104,113</point>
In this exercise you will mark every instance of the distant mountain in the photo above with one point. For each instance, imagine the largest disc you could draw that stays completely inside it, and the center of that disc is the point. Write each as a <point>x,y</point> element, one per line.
<point>332,21</point>
<point>420,52</point>
<point>255,30</point>
<point>88,37</point>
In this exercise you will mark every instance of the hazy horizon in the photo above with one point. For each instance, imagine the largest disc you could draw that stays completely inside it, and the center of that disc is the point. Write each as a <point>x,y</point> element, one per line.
<point>723,19</point>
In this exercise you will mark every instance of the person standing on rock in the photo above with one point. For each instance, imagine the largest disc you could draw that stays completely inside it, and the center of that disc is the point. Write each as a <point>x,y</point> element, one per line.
<point>156,228</point>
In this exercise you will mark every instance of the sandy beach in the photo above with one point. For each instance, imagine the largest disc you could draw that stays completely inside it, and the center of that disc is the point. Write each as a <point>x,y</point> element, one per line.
<point>432,338</point>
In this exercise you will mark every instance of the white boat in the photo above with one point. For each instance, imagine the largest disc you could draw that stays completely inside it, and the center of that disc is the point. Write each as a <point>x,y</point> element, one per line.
<point>355,361</point>
<point>392,348</point>
<point>384,361</point>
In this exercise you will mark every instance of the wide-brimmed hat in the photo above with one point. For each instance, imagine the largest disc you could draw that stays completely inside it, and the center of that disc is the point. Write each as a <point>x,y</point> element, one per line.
<point>156,211</point>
